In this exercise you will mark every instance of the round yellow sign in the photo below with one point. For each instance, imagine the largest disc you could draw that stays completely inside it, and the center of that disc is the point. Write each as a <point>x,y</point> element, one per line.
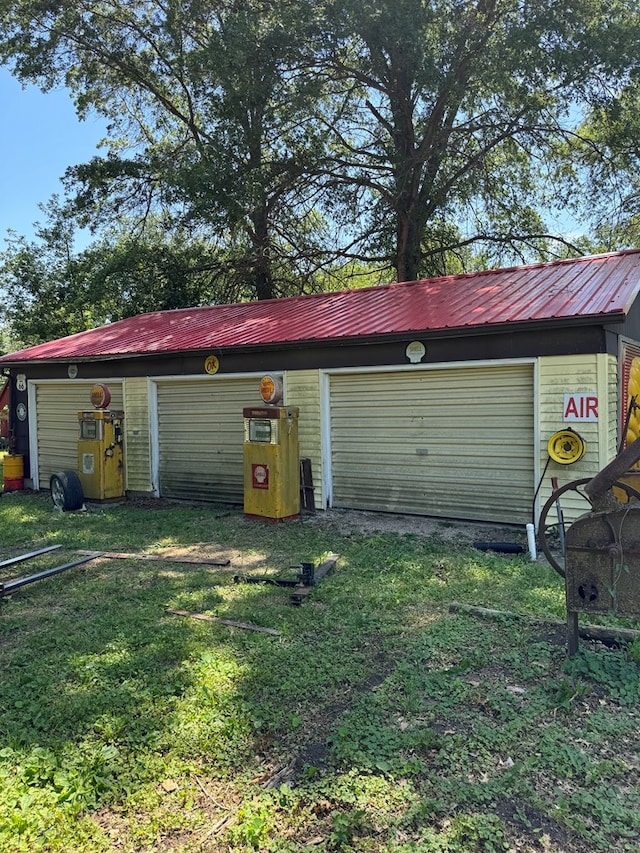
<point>100,396</point>
<point>212,364</point>
<point>271,389</point>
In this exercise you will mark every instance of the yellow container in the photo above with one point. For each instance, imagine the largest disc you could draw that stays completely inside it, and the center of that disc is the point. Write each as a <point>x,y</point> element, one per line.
<point>13,473</point>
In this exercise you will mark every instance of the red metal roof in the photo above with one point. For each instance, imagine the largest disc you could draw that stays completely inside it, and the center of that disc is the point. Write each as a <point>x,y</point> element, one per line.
<point>592,287</point>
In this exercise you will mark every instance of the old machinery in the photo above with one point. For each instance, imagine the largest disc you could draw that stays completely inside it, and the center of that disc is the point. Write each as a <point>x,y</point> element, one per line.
<point>100,454</point>
<point>601,561</point>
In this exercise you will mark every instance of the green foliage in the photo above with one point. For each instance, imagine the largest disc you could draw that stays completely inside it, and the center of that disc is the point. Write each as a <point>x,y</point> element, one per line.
<point>279,144</point>
<point>616,673</point>
<point>207,110</point>
<point>52,290</point>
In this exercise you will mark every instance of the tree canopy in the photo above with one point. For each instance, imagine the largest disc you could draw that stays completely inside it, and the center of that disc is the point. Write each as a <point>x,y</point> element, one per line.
<point>281,140</point>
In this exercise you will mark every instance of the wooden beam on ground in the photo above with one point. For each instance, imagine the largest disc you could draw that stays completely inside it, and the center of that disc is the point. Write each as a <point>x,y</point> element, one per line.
<point>163,558</point>
<point>587,632</point>
<point>230,623</point>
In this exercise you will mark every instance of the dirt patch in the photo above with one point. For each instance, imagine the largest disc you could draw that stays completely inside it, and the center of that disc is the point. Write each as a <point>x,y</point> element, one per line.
<point>526,825</point>
<point>353,522</point>
<point>350,522</point>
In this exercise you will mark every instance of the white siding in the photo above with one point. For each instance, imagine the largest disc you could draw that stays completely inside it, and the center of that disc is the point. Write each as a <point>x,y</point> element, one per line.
<point>302,388</point>
<point>200,437</point>
<point>137,439</point>
<point>560,375</point>
<point>456,443</point>
<point>56,438</point>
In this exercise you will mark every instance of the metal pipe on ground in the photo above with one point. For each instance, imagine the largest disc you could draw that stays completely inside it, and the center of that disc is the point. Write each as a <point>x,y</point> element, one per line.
<point>10,586</point>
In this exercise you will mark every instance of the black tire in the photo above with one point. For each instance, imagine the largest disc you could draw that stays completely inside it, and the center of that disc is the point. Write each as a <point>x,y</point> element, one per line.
<point>66,491</point>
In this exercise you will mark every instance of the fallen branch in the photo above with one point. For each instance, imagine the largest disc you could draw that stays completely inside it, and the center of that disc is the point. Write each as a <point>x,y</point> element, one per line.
<point>246,626</point>
<point>284,774</point>
<point>209,795</point>
<point>606,635</point>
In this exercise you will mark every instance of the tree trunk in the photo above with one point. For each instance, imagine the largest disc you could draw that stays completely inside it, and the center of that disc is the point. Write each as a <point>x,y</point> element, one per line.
<point>263,280</point>
<point>408,246</point>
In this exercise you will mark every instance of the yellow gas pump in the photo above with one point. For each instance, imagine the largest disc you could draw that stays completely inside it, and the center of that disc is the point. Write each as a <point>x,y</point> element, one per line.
<point>100,449</point>
<point>271,462</point>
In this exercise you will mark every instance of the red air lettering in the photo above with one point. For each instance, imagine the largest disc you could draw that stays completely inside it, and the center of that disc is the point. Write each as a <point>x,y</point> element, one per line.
<point>580,407</point>
<point>571,410</point>
<point>591,408</point>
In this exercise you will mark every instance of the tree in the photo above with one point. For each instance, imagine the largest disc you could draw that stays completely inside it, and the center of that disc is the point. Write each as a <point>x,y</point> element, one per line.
<point>52,290</point>
<point>207,119</point>
<point>456,106</point>
<point>605,158</point>
<point>414,134</point>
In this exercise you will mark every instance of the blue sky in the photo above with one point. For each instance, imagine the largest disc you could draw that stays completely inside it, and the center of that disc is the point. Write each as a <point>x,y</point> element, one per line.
<point>41,136</point>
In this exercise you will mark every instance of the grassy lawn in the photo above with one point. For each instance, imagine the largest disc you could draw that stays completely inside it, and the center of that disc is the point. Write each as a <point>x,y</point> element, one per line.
<point>375,720</point>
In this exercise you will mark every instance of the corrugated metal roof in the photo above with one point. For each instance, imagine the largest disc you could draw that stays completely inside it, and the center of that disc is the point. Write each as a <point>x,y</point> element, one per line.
<point>582,288</point>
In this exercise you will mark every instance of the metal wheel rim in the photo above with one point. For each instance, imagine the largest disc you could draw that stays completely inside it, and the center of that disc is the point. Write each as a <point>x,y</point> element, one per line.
<point>552,501</point>
<point>57,493</point>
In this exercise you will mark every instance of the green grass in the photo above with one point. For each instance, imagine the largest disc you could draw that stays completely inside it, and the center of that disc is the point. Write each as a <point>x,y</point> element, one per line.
<point>376,721</point>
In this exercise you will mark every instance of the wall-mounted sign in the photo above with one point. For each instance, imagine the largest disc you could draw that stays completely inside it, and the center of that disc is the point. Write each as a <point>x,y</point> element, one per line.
<point>72,371</point>
<point>211,364</point>
<point>21,382</point>
<point>21,412</point>
<point>580,407</point>
<point>415,352</point>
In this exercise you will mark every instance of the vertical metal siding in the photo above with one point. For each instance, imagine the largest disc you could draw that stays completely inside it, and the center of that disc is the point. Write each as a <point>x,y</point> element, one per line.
<point>137,436</point>
<point>57,407</point>
<point>454,443</point>
<point>303,390</point>
<point>200,437</point>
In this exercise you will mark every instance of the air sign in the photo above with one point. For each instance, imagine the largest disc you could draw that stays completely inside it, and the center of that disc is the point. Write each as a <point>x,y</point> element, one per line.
<point>580,407</point>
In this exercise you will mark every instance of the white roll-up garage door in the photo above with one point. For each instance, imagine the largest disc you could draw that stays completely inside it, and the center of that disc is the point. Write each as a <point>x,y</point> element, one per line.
<point>57,407</point>
<point>200,437</point>
<point>455,443</point>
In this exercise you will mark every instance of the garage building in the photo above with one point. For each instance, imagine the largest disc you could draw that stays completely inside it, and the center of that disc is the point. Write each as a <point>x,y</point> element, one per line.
<point>435,397</point>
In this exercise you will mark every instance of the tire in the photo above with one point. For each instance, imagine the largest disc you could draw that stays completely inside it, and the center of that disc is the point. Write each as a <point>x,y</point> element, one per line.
<point>66,491</point>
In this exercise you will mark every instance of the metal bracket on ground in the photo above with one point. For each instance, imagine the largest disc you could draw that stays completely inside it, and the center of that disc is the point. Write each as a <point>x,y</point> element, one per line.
<point>308,577</point>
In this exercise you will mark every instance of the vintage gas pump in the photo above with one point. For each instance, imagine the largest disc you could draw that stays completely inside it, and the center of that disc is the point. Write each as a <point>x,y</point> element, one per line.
<point>271,456</point>
<point>100,450</point>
